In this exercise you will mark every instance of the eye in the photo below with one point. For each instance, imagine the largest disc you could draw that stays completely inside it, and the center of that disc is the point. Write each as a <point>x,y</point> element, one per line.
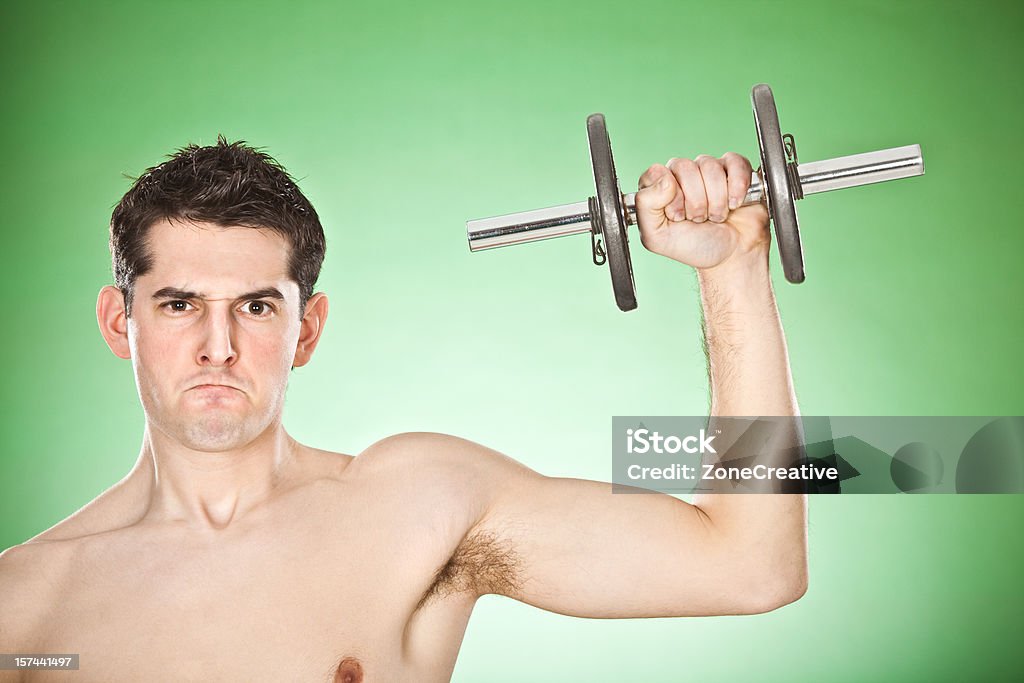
<point>260,309</point>
<point>177,306</point>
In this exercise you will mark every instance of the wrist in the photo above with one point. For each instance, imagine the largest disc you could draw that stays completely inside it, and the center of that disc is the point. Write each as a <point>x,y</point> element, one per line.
<point>746,271</point>
<point>737,296</point>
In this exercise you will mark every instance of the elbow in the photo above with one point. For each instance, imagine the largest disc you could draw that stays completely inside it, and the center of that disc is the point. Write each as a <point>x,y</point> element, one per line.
<point>794,588</point>
<point>771,584</point>
<point>778,590</point>
<point>778,576</point>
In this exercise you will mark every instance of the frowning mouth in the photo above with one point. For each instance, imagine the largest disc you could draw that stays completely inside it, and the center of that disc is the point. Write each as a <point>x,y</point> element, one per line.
<point>216,388</point>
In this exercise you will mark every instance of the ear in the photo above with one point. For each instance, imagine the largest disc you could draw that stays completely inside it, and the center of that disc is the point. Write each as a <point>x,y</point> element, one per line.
<point>110,313</point>
<point>312,326</point>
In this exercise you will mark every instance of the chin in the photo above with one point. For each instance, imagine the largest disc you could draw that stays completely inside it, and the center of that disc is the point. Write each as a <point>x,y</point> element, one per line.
<point>218,434</point>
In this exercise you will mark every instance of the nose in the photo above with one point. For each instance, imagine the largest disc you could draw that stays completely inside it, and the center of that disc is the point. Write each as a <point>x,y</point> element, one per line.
<point>217,344</point>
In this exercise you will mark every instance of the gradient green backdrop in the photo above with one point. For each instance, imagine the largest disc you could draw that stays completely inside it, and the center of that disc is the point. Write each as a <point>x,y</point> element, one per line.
<point>401,121</point>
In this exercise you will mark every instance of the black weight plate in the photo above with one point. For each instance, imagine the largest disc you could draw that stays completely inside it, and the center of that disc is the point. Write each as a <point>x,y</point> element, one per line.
<point>781,205</point>
<point>610,214</point>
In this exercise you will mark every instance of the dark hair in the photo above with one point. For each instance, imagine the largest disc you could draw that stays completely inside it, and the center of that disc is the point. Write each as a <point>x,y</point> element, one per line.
<point>227,184</point>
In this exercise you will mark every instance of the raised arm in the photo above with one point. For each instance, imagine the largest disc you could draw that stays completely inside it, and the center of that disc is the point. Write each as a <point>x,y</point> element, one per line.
<point>570,545</point>
<point>748,369</point>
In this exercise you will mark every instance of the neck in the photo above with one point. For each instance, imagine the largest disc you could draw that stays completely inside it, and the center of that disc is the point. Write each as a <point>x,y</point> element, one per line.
<point>210,490</point>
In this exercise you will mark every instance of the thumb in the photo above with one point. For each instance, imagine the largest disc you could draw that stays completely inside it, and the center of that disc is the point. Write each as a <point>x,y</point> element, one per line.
<point>658,190</point>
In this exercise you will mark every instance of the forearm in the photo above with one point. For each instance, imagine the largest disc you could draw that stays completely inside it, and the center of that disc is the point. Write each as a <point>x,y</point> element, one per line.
<point>748,362</point>
<point>749,373</point>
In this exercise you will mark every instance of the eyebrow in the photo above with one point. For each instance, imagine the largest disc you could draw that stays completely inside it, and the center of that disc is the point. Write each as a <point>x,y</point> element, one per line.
<point>175,293</point>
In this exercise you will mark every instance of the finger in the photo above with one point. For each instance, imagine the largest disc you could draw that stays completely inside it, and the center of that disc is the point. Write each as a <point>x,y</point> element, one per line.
<point>688,175</point>
<point>739,172</point>
<point>715,187</point>
<point>674,209</point>
<point>651,176</point>
<point>658,189</point>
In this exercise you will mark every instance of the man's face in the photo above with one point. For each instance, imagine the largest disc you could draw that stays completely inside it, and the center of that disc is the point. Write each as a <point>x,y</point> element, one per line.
<point>213,332</point>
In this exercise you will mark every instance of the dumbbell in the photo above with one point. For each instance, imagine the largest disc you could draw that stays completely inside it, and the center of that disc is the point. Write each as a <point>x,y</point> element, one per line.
<point>778,183</point>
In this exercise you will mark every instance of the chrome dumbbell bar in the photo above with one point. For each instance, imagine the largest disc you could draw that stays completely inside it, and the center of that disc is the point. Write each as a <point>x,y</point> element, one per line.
<point>816,176</point>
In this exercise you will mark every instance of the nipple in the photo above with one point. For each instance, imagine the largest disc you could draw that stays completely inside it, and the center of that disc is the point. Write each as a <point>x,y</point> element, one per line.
<point>349,671</point>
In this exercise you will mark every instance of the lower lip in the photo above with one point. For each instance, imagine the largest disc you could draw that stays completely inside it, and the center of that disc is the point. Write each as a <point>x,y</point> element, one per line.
<point>215,390</point>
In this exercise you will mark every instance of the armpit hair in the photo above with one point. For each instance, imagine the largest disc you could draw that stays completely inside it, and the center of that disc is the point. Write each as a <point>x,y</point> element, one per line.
<point>482,563</point>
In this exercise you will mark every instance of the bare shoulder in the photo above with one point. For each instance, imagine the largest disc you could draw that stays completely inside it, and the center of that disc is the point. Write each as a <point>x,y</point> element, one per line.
<point>459,471</point>
<point>22,563</point>
<point>437,456</point>
<point>30,577</point>
<point>458,480</point>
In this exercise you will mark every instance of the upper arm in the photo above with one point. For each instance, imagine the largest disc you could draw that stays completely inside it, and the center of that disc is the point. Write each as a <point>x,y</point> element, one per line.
<point>572,546</point>
<point>584,551</point>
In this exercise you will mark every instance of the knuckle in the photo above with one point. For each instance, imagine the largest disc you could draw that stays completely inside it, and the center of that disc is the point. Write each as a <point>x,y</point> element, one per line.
<point>654,171</point>
<point>652,175</point>
<point>681,165</point>
<point>734,160</point>
<point>687,164</point>
<point>713,173</point>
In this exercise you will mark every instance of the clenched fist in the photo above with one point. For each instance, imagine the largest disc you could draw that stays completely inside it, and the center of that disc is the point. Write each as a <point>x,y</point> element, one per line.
<point>689,210</point>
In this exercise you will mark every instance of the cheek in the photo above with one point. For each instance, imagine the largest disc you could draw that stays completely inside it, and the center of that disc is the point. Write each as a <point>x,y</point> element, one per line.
<point>265,354</point>
<point>153,360</point>
<point>266,350</point>
<point>154,355</point>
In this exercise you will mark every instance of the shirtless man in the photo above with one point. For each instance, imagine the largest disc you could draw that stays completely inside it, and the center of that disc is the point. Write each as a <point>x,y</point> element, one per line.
<point>231,552</point>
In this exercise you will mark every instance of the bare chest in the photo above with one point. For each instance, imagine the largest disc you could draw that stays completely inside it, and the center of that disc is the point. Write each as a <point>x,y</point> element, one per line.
<point>246,616</point>
<point>292,602</point>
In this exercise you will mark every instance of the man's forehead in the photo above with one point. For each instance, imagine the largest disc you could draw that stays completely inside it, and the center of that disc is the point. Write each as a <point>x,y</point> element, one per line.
<point>215,262</point>
<point>182,232</point>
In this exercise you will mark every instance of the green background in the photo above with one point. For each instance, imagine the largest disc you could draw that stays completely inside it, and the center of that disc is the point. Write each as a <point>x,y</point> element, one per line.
<point>401,121</point>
